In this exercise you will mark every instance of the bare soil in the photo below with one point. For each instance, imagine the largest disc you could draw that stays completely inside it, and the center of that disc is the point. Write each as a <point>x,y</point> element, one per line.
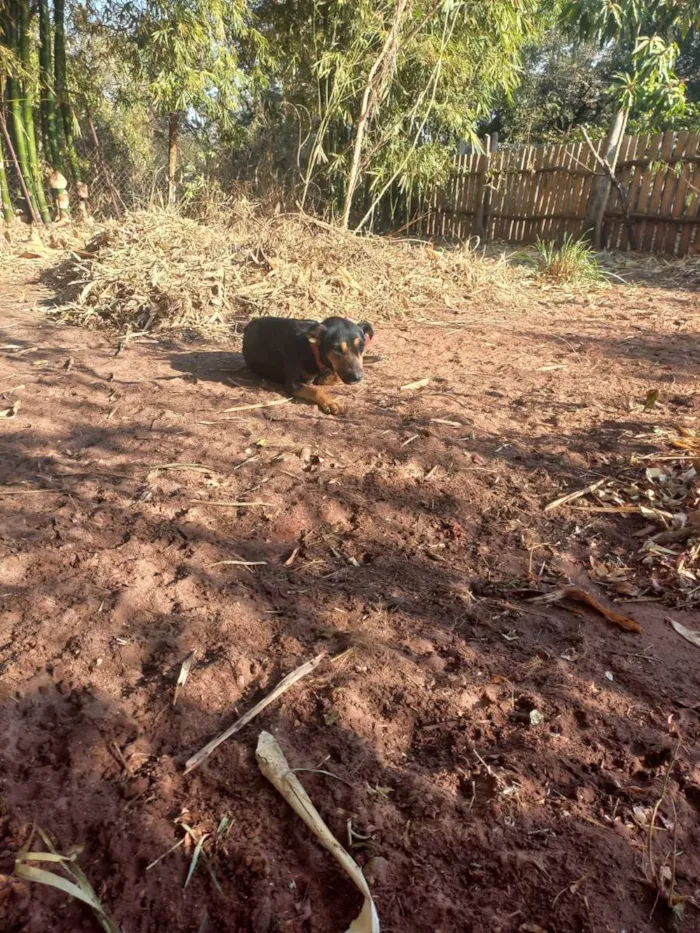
<point>406,530</point>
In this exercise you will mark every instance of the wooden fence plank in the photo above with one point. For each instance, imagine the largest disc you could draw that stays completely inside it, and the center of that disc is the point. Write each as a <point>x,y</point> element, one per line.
<point>549,192</point>
<point>522,193</point>
<point>658,175</point>
<point>530,227</point>
<point>668,232</point>
<point>626,175</point>
<point>634,192</point>
<point>689,192</point>
<point>498,195</point>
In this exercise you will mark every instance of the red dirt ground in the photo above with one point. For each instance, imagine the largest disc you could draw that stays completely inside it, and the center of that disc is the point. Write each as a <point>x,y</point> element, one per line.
<point>410,539</point>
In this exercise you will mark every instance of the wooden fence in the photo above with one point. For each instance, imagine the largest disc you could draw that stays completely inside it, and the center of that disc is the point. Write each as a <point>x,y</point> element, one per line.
<point>520,195</point>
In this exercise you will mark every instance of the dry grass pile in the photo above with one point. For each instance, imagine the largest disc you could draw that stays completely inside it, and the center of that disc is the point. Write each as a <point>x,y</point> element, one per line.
<point>160,270</point>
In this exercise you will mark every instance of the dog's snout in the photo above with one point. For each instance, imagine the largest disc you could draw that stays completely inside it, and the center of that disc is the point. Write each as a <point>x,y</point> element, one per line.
<point>354,377</point>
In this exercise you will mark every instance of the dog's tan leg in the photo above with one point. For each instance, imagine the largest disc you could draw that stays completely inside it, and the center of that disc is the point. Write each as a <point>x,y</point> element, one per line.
<point>316,396</point>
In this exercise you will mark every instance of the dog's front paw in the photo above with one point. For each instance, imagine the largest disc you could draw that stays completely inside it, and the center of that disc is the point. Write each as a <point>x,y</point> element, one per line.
<point>330,406</point>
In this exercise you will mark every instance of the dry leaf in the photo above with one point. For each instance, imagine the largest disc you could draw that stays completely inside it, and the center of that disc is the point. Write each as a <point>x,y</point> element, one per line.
<point>331,717</point>
<point>580,596</point>
<point>275,768</point>
<point>416,385</point>
<point>184,674</point>
<point>11,412</point>
<point>692,636</point>
<point>651,399</point>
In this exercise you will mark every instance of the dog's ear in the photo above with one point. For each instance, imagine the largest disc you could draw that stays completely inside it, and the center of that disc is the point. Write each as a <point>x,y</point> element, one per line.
<point>367,330</point>
<point>314,331</point>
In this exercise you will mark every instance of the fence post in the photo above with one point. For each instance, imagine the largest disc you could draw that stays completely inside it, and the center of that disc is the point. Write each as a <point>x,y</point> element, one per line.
<point>600,191</point>
<point>484,203</point>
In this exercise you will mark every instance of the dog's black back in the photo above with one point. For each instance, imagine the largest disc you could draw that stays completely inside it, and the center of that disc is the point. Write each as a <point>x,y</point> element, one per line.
<point>274,346</point>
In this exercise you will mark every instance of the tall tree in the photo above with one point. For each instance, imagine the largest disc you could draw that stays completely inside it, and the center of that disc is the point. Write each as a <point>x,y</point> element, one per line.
<point>5,202</point>
<point>27,108</point>
<point>14,99</point>
<point>49,116</point>
<point>61,90</point>
<point>189,61</point>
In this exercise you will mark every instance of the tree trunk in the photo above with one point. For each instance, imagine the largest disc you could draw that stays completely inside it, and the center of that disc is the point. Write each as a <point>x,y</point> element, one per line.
<point>18,169</point>
<point>28,111</point>
<point>601,189</point>
<point>61,91</point>
<point>378,76</point>
<point>173,132</point>
<point>49,117</point>
<point>5,202</point>
<point>14,109</point>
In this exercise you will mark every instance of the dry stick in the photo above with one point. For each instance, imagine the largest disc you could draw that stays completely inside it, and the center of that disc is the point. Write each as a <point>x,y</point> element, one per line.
<point>379,73</point>
<point>25,191</point>
<point>240,563</point>
<point>238,505</point>
<point>279,401</point>
<point>572,496</point>
<point>281,688</point>
<point>622,190</point>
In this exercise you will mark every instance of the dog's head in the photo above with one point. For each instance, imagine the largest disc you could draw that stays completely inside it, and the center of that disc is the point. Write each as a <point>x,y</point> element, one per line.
<point>341,344</point>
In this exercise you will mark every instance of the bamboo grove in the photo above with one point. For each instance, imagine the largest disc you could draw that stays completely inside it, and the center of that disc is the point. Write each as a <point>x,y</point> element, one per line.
<point>37,145</point>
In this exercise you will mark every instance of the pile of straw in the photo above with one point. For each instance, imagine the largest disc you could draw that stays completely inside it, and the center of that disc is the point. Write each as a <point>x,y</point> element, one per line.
<point>157,270</point>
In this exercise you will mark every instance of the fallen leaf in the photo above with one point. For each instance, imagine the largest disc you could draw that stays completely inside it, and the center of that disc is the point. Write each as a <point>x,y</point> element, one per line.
<point>626,589</point>
<point>331,717</point>
<point>609,675</point>
<point>692,636</point>
<point>184,674</point>
<point>580,596</point>
<point>292,557</point>
<point>275,768</point>
<point>416,385</point>
<point>11,412</point>
<point>651,399</point>
<point>379,791</point>
<point>28,254</point>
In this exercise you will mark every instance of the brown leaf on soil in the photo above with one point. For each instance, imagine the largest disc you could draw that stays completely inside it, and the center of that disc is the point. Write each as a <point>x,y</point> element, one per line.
<point>580,596</point>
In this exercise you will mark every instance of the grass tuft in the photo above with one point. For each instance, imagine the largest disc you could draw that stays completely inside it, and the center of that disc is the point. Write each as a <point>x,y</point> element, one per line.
<point>572,263</point>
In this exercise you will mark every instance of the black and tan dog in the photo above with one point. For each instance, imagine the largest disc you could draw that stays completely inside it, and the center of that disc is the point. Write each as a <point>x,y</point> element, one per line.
<point>304,355</point>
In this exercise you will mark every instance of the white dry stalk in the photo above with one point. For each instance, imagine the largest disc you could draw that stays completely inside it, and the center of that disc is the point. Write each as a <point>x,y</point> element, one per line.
<point>281,688</point>
<point>279,401</point>
<point>572,496</point>
<point>238,505</point>
<point>275,768</point>
<point>420,384</point>
<point>184,674</point>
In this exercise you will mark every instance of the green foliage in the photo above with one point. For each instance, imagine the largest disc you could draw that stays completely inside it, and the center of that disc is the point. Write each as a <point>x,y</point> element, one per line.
<point>572,263</point>
<point>183,53</point>
<point>452,59</point>
<point>647,32</point>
